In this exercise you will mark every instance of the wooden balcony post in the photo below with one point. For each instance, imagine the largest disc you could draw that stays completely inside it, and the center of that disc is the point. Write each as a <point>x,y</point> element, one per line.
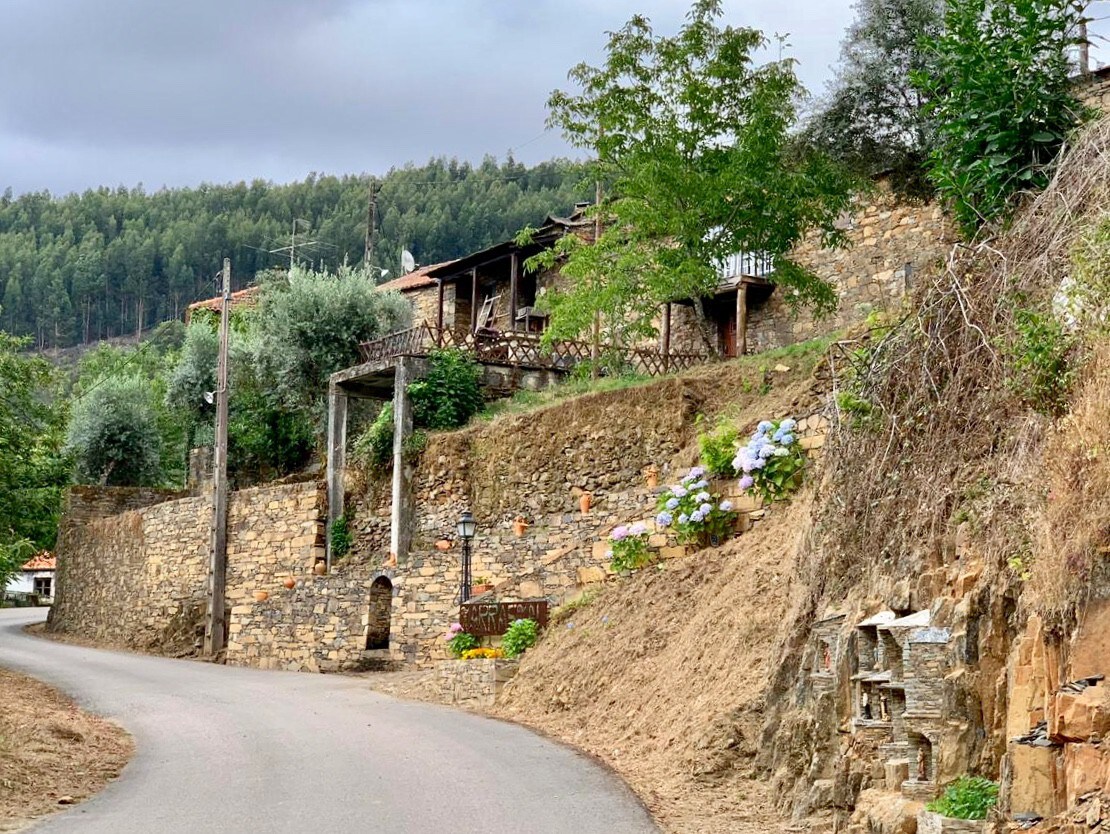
<point>514,286</point>
<point>666,337</point>
<point>439,314</point>
<point>742,318</point>
<point>473,299</point>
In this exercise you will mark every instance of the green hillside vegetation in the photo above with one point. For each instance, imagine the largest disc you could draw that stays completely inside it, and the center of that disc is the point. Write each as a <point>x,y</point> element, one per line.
<point>113,262</point>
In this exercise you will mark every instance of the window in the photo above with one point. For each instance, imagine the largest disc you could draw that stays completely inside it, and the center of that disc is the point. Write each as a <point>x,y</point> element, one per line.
<point>44,585</point>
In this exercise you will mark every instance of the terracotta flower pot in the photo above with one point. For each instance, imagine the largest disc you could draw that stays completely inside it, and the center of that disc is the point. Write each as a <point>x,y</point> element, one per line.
<point>443,544</point>
<point>261,596</point>
<point>290,583</point>
<point>651,475</point>
<point>520,526</point>
<point>481,589</point>
<point>320,568</point>
<point>584,502</point>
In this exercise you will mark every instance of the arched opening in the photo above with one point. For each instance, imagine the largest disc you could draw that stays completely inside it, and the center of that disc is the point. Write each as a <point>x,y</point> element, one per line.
<point>921,757</point>
<point>377,622</point>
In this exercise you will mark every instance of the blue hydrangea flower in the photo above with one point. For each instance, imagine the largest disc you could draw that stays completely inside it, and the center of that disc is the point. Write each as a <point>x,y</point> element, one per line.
<point>705,509</point>
<point>787,439</point>
<point>702,484</point>
<point>747,482</point>
<point>701,497</point>
<point>726,506</point>
<point>672,504</point>
<point>788,424</point>
<point>697,472</point>
<point>758,463</point>
<point>764,426</point>
<point>664,519</point>
<point>683,519</point>
<point>680,492</point>
<point>766,451</point>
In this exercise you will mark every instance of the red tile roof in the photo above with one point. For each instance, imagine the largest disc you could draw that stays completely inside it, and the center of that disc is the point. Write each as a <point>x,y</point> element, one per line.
<point>415,280</point>
<point>41,561</point>
<point>246,297</point>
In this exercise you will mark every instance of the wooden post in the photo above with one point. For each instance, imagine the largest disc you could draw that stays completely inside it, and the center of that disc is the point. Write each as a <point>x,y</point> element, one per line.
<point>473,299</point>
<point>214,621</point>
<point>514,287</point>
<point>667,337</point>
<point>439,316</point>
<point>400,514</point>
<point>741,318</point>
<point>1084,50</point>
<point>595,348</point>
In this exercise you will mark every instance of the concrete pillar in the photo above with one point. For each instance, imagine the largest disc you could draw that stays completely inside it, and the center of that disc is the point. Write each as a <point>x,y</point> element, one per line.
<point>337,456</point>
<point>400,519</point>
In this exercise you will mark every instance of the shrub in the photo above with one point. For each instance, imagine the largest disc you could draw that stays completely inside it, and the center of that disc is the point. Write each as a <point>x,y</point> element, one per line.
<point>459,641</point>
<point>113,434</point>
<point>968,798</point>
<point>629,548</point>
<point>374,447</point>
<point>520,637</point>
<point>450,394</point>
<point>1001,100</point>
<point>1042,372</point>
<point>773,461</point>
<point>717,448</point>
<point>265,439</point>
<point>692,511</point>
<point>341,538</point>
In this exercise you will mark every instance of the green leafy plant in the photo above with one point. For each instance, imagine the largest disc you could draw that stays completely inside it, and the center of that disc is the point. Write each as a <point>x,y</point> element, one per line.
<point>459,641</point>
<point>114,436</point>
<point>968,798</point>
<point>374,447</point>
<point>415,444</point>
<point>773,461</point>
<point>520,636</point>
<point>1043,375</point>
<point>450,394</point>
<point>341,538</point>
<point>1001,101</point>
<point>717,448</point>
<point>628,547</point>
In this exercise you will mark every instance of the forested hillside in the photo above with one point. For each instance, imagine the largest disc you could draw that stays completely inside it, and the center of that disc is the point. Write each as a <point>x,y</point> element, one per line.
<point>117,261</point>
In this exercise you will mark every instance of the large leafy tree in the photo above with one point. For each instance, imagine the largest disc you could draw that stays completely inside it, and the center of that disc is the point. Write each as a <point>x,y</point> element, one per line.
<point>872,117</point>
<point>32,469</point>
<point>114,435</point>
<point>692,136</point>
<point>1001,99</point>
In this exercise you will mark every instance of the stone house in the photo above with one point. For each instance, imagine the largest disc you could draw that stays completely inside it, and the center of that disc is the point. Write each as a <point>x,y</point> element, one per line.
<point>35,577</point>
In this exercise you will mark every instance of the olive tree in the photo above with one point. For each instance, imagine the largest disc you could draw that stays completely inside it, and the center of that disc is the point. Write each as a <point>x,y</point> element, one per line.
<point>114,436</point>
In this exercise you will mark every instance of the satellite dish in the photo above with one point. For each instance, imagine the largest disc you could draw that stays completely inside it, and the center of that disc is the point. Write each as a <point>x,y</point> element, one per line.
<point>408,262</point>
<point>209,397</point>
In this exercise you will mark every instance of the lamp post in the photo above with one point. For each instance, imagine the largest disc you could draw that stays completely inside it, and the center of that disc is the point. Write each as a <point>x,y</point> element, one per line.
<point>466,527</point>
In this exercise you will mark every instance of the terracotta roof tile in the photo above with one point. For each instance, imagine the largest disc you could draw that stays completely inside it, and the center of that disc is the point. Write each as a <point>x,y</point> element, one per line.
<point>41,561</point>
<point>415,280</point>
<point>246,296</point>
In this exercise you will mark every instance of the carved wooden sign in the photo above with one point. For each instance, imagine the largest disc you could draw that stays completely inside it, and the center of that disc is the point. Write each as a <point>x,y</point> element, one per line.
<point>487,619</point>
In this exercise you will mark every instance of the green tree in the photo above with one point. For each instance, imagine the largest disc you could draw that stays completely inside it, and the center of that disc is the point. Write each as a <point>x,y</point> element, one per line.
<point>872,118</point>
<point>310,327</point>
<point>1001,100</point>
<point>114,436</point>
<point>693,137</point>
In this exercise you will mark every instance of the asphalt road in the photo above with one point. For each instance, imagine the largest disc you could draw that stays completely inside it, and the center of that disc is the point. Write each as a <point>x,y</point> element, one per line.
<point>240,750</point>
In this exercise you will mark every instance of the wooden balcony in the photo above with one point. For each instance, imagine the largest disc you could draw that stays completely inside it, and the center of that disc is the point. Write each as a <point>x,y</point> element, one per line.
<point>522,350</point>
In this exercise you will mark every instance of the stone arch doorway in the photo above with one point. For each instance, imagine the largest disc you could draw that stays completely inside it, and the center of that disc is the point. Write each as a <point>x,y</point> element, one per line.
<point>380,611</point>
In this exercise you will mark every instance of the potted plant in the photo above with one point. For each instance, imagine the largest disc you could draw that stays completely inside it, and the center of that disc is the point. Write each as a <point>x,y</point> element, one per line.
<point>482,585</point>
<point>520,526</point>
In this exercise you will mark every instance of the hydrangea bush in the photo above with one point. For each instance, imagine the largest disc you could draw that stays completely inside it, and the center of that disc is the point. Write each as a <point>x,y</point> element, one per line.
<point>692,511</point>
<point>628,547</point>
<point>773,460</point>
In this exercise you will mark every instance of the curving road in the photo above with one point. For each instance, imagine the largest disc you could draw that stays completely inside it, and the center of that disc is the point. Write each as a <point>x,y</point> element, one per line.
<point>240,750</point>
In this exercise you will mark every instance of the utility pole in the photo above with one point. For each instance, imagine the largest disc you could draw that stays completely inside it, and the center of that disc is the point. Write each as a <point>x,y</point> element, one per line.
<point>371,221</point>
<point>1084,48</point>
<point>595,350</point>
<point>214,623</point>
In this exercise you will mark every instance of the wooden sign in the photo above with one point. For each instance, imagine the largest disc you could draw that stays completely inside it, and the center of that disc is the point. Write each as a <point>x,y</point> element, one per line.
<point>488,619</point>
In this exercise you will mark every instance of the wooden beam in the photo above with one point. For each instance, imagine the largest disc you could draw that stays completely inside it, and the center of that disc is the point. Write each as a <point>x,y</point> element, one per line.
<point>742,319</point>
<point>439,314</point>
<point>473,299</point>
<point>514,287</point>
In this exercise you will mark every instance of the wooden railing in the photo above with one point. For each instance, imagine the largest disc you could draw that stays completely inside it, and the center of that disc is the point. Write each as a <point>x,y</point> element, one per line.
<point>524,350</point>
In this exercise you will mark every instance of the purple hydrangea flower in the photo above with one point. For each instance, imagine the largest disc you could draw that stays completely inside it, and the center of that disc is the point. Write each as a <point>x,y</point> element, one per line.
<point>680,492</point>
<point>726,506</point>
<point>702,497</point>
<point>637,529</point>
<point>788,424</point>
<point>672,503</point>
<point>702,484</point>
<point>705,509</point>
<point>747,482</point>
<point>620,533</point>
<point>767,451</point>
<point>696,472</point>
<point>664,519</point>
<point>764,426</point>
<point>683,519</point>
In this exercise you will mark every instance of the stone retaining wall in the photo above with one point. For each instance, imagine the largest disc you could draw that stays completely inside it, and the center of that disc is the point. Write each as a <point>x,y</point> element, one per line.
<point>473,683</point>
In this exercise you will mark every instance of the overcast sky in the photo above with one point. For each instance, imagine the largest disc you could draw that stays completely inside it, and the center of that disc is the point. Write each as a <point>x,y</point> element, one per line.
<point>178,92</point>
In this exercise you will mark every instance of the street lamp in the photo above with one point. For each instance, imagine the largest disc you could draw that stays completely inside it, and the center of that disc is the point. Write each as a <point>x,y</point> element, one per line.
<point>466,527</point>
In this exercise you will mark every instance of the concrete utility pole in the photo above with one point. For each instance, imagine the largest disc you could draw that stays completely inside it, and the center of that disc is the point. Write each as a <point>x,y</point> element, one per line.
<point>595,348</point>
<point>371,222</point>
<point>214,623</point>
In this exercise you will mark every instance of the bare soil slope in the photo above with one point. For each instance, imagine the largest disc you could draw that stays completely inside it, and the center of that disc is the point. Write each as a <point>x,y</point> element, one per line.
<point>662,676</point>
<point>51,753</point>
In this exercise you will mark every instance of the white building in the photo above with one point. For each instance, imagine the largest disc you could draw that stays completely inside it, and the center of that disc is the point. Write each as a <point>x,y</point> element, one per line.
<point>35,577</point>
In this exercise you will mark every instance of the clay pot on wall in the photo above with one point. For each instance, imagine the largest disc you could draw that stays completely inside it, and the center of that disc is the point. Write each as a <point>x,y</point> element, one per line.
<point>261,596</point>
<point>320,568</point>
<point>584,502</point>
<point>651,476</point>
<point>290,583</point>
<point>520,526</point>
<point>443,544</point>
<point>484,588</point>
